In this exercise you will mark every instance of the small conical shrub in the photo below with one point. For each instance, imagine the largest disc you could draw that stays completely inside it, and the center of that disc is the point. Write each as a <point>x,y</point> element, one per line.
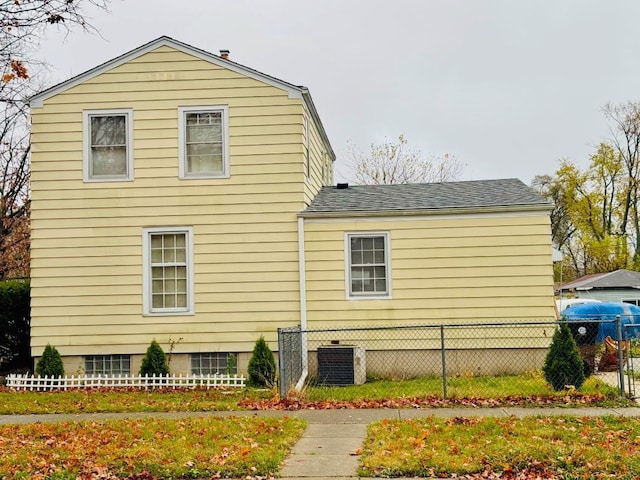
<point>154,361</point>
<point>50,364</point>
<point>262,365</point>
<point>563,365</point>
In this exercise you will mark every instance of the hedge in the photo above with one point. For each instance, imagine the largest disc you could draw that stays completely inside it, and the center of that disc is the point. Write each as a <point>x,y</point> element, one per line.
<point>15,320</point>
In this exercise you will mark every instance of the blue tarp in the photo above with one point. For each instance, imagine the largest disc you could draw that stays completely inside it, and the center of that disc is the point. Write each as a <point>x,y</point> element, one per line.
<point>606,313</point>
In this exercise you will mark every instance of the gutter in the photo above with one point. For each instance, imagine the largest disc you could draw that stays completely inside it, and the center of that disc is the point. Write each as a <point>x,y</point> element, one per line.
<point>426,212</point>
<point>302,275</point>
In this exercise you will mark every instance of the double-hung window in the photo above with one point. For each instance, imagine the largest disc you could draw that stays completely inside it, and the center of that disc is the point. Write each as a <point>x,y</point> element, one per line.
<point>108,145</point>
<point>203,137</point>
<point>368,271</point>
<point>168,271</point>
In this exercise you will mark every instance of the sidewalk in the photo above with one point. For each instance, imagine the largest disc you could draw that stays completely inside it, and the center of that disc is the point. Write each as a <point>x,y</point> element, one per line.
<point>330,446</point>
<point>336,416</point>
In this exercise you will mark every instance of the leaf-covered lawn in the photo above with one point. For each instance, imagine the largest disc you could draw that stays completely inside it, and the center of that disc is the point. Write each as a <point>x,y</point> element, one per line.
<point>147,449</point>
<point>527,390</point>
<point>532,447</point>
<point>123,400</point>
<point>529,384</point>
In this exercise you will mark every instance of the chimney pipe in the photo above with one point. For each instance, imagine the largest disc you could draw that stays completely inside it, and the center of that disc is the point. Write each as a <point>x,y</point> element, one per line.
<point>224,54</point>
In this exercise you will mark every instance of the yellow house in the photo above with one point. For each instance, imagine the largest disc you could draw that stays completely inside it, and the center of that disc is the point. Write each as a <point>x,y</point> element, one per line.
<point>183,197</point>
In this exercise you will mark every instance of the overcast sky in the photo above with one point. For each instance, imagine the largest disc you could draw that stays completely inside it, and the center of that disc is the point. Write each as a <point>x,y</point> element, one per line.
<point>509,87</point>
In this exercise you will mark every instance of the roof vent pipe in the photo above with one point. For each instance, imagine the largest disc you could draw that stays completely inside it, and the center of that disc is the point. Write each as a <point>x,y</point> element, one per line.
<point>342,186</point>
<point>224,54</point>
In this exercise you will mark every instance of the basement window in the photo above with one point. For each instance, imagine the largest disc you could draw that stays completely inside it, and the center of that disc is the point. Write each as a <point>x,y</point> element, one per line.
<point>107,364</point>
<point>212,363</point>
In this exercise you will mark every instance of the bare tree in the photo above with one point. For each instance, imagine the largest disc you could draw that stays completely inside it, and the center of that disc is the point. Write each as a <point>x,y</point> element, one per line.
<point>14,181</point>
<point>396,162</point>
<point>625,129</point>
<point>22,23</point>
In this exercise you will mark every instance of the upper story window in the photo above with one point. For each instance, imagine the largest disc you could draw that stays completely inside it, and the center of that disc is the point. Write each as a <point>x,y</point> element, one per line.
<point>367,263</point>
<point>168,271</point>
<point>108,145</point>
<point>203,141</point>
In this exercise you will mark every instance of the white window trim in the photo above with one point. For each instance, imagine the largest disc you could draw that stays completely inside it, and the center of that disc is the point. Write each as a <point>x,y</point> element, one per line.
<point>146,272</point>
<point>182,150</point>
<point>347,265</point>
<point>86,142</point>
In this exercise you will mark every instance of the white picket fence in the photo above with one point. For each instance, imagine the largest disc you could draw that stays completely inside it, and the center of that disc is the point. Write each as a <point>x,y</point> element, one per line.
<point>29,382</point>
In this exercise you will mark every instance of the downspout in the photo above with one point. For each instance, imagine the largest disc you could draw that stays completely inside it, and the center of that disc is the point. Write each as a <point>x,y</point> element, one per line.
<point>302,273</point>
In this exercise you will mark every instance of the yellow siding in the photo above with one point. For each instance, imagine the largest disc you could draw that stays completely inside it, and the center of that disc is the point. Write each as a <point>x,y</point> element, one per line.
<point>319,162</point>
<point>452,270</point>
<point>87,237</point>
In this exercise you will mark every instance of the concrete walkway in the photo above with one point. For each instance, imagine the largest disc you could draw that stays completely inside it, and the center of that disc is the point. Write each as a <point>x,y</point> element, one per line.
<point>332,450</point>
<point>330,447</point>
<point>326,450</point>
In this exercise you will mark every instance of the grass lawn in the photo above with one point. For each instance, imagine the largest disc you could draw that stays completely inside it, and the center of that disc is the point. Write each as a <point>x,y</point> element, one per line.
<point>187,448</point>
<point>134,400</point>
<point>534,447</point>
<point>528,387</point>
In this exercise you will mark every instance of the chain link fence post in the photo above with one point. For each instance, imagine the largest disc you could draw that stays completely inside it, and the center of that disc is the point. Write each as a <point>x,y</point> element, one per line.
<point>620,355</point>
<point>443,354</point>
<point>282,372</point>
<point>289,358</point>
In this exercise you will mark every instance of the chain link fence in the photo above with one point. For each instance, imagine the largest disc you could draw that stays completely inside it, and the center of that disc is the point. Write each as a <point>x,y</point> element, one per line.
<point>355,355</point>
<point>632,365</point>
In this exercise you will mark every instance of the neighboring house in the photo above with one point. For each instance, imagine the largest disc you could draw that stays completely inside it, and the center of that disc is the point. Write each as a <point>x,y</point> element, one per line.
<point>617,286</point>
<point>180,196</point>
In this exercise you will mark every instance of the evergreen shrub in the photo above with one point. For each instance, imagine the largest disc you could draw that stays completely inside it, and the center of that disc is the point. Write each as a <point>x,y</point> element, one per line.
<point>50,364</point>
<point>154,361</point>
<point>15,352</point>
<point>262,365</point>
<point>563,365</point>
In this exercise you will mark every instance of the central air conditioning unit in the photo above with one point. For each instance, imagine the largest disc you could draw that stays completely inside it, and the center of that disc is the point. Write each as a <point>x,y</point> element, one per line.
<point>341,365</point>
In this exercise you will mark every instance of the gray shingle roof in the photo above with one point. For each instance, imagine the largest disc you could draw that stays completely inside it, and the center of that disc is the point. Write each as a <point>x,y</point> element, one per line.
<point>480,194</point>
<point>615,279</point>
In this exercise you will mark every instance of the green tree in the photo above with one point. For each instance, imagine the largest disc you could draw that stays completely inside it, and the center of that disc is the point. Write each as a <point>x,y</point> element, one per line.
<point>262,365</point>
<point>563,365</point>
<point>586,215</point>
<point>155,361</point>
<point>596,220</point>
<point>50,364</point>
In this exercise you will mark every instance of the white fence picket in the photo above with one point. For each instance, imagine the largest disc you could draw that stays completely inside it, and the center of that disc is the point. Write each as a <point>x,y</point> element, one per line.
<point>28,382</point>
